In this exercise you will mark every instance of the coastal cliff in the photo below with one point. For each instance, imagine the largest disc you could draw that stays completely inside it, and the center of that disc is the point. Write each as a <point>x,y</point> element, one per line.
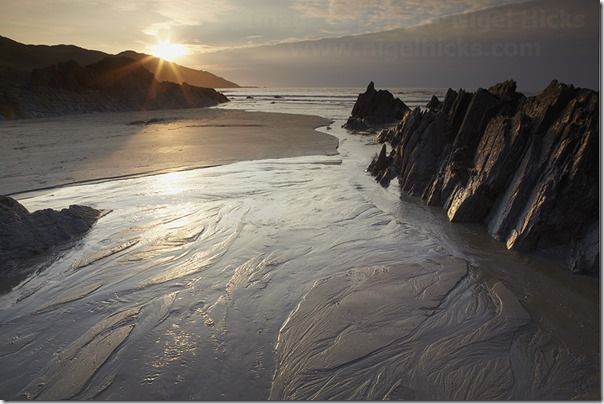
<point>526,167</point>
<point>110,85</point>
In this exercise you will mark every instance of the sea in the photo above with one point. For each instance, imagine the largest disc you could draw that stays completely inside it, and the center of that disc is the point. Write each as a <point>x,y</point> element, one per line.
<point>190,285</point>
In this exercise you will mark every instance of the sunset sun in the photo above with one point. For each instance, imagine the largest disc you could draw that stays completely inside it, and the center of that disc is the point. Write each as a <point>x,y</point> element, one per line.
<point>168,51</point>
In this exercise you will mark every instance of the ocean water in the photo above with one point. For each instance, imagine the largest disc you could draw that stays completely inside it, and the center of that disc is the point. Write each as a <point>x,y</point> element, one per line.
<point>291,278</point>
<point>332,103</point>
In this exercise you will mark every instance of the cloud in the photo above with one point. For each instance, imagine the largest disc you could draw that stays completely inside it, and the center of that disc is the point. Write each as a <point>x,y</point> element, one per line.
<point>375,14</point>
<point>209,25</point>
<point>336,11</point>
<point>192,12</point>
<point>244,23</point>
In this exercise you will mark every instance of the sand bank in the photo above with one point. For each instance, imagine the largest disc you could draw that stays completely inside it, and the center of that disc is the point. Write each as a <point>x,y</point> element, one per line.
<point>44,153</point>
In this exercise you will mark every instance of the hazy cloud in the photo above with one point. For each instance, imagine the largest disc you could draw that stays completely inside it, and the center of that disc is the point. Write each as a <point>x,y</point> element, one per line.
<point>226,37</point>
<point>375,14</point>
<point>212,25</point>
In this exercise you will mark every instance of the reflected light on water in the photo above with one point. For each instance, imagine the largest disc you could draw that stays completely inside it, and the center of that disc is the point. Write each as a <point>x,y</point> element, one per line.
<point>170,183</point>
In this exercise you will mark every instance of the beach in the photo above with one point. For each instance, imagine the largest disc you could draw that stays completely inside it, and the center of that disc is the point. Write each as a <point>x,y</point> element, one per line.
<point>45,153</point>
<point>296,277</point>
<point>300,200</point>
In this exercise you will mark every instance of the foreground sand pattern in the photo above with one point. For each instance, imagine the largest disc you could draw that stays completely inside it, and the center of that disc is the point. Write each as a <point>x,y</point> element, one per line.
<point>427,331</point>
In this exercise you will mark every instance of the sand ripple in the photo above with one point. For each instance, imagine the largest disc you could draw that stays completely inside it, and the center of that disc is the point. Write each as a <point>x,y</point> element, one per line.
<point>427,331</point>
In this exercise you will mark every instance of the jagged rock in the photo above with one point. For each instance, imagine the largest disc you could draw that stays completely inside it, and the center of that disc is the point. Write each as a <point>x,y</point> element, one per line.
<point>526,167</point>
<point>110,85</point>
<point>25,236</point>
<point>434,104</point>
<point>505,89</point>
<point>584,255</point>
<point>356,124</point>
<point>375,107</point>
<point>380,167</point>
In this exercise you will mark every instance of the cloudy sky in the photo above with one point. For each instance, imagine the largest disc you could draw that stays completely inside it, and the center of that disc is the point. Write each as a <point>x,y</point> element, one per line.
<point>276,42</point>
<point>204,26</point>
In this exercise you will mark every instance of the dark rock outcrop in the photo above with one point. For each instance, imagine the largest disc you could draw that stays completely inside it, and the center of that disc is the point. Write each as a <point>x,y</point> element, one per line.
<point>526,167</point>
<point>373,108</point>
<point>26,236</point>
<point>434,103</point>
<point>110,85</point>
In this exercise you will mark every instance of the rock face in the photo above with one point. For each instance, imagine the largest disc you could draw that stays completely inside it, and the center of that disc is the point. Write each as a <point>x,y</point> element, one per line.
<point>434,103</point>
<point>526,167</point>
<point>110,85</point>
<point>375,107</point>
<point>25,236</point>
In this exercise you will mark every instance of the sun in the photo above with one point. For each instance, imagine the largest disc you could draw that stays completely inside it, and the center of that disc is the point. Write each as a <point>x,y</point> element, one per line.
<point>168,51</point>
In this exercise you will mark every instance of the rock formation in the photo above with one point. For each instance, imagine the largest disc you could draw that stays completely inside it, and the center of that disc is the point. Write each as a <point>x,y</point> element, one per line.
<point>112,84</point>
<point>526,167</point>
<point>25,236</point>
<point>375,107</point>
<point>434,103</point>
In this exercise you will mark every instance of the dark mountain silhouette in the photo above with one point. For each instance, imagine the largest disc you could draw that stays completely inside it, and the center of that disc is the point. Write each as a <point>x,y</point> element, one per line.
<point>115,83</point>
<point>168,71</point>
<point>17,60</point>
<point>24,58</point>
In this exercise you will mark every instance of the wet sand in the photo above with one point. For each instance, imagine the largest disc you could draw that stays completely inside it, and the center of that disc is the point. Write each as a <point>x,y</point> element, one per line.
<point>427,331</point>
<point>291,278</point>
<point>45,153</point>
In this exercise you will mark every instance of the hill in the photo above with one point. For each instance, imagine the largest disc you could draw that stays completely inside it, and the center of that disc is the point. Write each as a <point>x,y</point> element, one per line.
<point>24,58</point>
<point>168,71</point>
<point>17,60</point>
<point>112,84</point>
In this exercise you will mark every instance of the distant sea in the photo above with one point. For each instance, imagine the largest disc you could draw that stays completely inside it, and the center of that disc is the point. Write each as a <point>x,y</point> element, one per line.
<point>331,103</point>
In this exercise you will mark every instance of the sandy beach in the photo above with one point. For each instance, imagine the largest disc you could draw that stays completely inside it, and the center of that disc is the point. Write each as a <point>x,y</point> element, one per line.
<point>300,200</point>
<point>237,281</point>
<point>44,153</point>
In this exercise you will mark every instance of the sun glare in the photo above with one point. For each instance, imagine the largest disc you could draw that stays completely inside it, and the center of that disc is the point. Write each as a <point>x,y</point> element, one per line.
<point>168,51</point>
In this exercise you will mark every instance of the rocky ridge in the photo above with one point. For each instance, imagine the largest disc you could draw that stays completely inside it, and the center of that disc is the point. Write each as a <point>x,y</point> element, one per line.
<point>526,167</point>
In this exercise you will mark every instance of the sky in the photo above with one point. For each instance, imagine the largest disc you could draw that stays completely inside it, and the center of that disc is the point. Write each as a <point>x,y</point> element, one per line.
<point>211,25</point>
<point>417,43</point>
